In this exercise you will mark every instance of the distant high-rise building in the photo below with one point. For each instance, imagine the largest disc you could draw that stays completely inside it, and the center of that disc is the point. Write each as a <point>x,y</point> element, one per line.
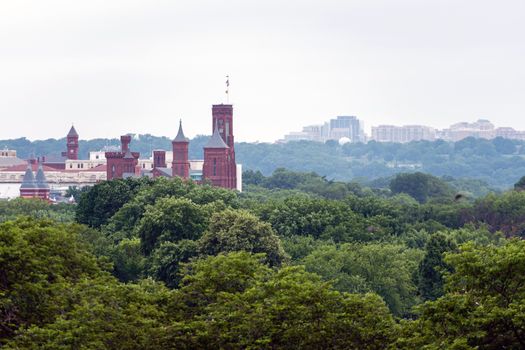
<point>403,134</point>
<point>480,129</point>
<point>343,126</point>
<point>347,126</point>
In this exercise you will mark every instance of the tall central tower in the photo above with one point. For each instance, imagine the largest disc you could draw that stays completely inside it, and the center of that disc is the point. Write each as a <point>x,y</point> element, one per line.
<point>220,167</point>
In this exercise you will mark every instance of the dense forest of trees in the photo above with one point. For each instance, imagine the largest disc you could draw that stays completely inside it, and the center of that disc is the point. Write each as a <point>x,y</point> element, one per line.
<point>498,163</point>
<point>296,261</point>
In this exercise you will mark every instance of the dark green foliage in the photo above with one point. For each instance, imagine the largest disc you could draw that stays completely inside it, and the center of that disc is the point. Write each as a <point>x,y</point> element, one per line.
<point>499,162</point>
<point>305,182</point>
<point>165,262</point>
<point>505,213</point>
<point>76,192</point>
<point>128,261</point>
<point>421,186</point>
<point>432,267</point>
<point>520,185</point>
<point>98,204</point>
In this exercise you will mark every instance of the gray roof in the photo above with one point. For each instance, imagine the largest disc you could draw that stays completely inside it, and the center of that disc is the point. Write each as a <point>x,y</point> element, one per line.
<point>180,135</point>
<point>72,131</point>
<point>41,181</point>
<point>29,179</point>
<point>128,155</point>
<point>166,171</point>
<point>216,140</point>
<point>10,161</point>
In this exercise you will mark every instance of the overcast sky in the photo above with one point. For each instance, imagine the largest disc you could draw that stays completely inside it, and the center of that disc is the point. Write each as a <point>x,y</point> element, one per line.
<point>118,66</point>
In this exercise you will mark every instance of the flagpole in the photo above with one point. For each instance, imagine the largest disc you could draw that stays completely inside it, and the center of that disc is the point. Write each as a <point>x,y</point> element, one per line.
<point>227,89</point>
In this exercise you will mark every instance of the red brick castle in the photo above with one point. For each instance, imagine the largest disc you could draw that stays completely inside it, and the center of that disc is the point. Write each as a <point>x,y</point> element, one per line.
<point>219,166</point>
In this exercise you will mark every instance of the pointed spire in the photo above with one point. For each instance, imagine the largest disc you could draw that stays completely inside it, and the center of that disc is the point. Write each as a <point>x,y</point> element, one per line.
<point>216,140</point>
<point>29,179</point>
<point>180,135</point>
<point>41,181</point>
<point>72,132</point>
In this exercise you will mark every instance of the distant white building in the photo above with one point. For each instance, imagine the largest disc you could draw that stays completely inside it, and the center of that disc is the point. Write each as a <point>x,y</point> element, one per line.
<point>341,127</point>
<point>403,134</point>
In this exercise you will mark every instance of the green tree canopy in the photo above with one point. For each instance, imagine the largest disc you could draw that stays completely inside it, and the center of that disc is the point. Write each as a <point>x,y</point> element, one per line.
<point>420,186</point>
<point>239,230</point>
<point>483,305</point>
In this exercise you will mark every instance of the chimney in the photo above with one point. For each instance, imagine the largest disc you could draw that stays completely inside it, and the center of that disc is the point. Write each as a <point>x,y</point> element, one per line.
<point>159,159</point>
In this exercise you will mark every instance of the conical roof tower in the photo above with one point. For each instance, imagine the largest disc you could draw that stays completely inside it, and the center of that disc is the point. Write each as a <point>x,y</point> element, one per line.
<point>41,181</point>
<point>180,135</point>
<point>29,181</point>
<point>216,140</point>
<point>72,132</point>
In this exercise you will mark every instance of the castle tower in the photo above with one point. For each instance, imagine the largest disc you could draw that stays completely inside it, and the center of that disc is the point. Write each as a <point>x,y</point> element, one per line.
<point>72,144</point>
<point>124,163</point>
<point>216,166</point>
<point>223,120</point>
<point>180,165</point>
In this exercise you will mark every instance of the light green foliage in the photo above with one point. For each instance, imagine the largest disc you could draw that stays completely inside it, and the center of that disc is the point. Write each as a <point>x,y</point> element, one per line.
<point>171,219</point>
<point>236,302</point>
<point>385,269</point>
<point>36,208</point>
<point>239,230</point>
<point>106,315</point>
<point>39,262</point>
<point>322,219</point>
<point>122,224</point>
<point>297,247</point>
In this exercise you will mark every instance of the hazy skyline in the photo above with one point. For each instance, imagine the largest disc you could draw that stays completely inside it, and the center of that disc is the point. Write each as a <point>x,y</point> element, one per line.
<point>113,67</point>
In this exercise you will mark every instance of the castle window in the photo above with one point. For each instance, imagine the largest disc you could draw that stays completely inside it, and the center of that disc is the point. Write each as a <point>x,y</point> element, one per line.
<point>214,166</point>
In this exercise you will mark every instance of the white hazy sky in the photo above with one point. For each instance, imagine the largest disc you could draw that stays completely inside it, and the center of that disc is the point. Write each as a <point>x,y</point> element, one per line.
<point>118,66</point>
